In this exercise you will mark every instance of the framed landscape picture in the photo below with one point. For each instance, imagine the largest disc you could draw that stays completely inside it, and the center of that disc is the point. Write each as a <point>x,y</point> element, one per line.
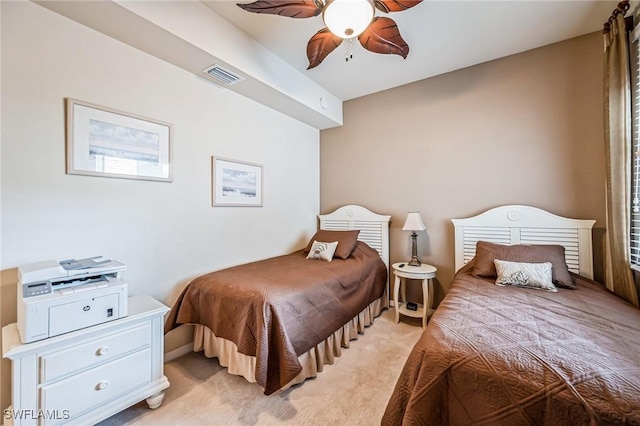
<point>235,183</point>
<point>105,142</point>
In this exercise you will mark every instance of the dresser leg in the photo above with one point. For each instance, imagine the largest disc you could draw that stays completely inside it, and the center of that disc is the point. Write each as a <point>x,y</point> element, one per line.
<point>154,401</point>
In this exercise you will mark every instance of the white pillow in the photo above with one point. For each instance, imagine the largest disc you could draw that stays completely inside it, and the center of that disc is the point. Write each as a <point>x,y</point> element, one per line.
<point>322,251</point>
<point>530,275</point>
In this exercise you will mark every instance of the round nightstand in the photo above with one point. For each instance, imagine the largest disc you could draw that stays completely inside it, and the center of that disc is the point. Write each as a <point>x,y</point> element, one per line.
<point>424,272</point>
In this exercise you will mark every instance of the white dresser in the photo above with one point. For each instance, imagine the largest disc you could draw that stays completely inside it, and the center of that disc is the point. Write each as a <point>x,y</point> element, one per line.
<point>87,375</point>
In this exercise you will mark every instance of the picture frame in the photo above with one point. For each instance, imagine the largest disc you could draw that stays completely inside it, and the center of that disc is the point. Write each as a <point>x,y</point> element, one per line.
<point>235,183</point>
<point>106,142</point>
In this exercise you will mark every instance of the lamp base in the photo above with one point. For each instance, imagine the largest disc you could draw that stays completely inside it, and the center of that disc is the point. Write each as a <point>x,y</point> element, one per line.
<point>414,251</point>
<point>414,262</point>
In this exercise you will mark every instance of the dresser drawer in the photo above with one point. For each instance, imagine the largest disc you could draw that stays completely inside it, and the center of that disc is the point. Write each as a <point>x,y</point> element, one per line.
<point>61,363</point>
<point>88,390</point>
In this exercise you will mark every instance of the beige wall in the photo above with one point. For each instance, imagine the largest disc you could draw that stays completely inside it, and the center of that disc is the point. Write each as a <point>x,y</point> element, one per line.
<point>525,129</point>
<point>166,233</point>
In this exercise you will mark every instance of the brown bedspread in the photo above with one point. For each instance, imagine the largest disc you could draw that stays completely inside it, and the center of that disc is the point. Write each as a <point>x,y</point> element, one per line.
<point>279,308</point>
<point>512,356</point>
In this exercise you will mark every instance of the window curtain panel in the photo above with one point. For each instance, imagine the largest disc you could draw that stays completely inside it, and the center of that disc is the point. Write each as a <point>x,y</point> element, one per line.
<point>618,144</point>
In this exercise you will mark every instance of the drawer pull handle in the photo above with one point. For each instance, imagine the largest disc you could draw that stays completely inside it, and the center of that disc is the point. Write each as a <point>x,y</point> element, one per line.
<point>102,385</point>
<point>102,351</point>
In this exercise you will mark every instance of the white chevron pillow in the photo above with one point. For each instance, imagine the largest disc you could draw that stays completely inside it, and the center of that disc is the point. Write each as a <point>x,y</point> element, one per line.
<point>322,251</point>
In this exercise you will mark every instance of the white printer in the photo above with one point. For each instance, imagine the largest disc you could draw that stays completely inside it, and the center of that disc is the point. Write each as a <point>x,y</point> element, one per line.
<point>59,297</point>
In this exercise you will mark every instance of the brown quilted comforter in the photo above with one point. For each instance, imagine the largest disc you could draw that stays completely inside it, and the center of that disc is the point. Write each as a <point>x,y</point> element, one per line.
<point>511,356</point>
<point>279,308</point>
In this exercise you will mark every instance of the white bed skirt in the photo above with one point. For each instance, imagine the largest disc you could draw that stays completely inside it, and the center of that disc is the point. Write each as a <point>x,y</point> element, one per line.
<point>312,361</point>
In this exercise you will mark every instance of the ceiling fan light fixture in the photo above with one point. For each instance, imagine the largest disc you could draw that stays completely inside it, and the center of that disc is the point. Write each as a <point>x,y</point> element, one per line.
<point>348,18</point>
<point>344,19</point>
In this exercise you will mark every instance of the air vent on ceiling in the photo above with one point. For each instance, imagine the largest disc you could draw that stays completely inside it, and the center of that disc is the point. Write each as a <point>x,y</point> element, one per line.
<point>222,75</point>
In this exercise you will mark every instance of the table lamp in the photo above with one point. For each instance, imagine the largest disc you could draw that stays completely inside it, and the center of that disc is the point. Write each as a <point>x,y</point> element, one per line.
<point>414,223</point>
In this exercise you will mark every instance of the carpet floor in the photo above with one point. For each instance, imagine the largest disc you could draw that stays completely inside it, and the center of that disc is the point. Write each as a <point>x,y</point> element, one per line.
<point>352,391</point>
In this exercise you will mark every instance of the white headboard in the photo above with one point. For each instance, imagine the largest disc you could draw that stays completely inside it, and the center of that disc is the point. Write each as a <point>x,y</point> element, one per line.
<point>374,228</point>
<point>526,225</point>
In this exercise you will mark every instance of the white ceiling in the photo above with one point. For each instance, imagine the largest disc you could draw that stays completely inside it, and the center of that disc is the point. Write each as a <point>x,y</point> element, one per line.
<point>269,52</point>
<point>442,35</point>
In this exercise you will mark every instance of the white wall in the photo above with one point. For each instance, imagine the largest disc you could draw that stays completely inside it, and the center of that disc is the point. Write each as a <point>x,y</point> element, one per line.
<point>166,233</point>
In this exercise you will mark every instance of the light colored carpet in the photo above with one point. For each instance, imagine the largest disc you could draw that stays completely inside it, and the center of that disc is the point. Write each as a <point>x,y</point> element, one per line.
<point>352,391</point>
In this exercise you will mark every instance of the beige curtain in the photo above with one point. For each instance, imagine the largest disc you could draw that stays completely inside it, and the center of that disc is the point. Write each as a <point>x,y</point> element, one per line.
<point>618,143</point>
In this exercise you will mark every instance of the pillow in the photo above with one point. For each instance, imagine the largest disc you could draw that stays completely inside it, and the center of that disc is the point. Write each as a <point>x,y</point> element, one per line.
<point>486,253</point>
<point>347,241</point>
<point>322,251</point>
<point>528,275</point>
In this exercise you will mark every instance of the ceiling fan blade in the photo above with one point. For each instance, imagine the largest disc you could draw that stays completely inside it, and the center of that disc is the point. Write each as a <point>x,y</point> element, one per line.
<point>320,45</point>
<point>387,6</point>
<point>383,36</point>
<point>289,8</point>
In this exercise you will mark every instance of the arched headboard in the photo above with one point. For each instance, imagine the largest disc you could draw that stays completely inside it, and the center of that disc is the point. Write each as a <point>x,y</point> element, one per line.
<point>517,224</point>
<point>374,228</point>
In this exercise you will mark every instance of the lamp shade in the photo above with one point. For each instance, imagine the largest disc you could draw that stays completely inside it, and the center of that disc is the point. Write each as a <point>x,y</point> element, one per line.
<point>414,222</point>
<point>348,18</point>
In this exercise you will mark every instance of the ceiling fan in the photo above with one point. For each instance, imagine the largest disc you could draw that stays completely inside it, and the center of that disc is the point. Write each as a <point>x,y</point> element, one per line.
<point>344,19</point>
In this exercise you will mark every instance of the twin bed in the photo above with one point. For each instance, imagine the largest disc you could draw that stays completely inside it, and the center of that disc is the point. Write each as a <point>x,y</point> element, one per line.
<point>490,355</point>
<point>504,355</point>
<point>278,321</point>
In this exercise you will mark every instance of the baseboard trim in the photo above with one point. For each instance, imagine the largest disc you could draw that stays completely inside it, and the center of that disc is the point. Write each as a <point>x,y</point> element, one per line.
<point>177,353</point>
